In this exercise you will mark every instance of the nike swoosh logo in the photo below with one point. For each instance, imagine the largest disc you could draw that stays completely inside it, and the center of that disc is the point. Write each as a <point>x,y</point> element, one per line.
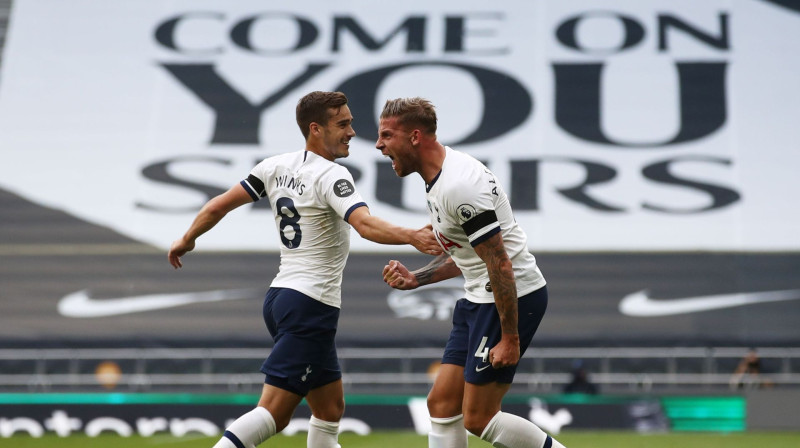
<point>481,369</point>
<point>82,304</point>
<point>640,304</point>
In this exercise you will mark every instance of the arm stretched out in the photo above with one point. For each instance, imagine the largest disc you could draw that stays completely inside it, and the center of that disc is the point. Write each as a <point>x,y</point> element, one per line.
<point>376,229</point>
<point>206,219</point>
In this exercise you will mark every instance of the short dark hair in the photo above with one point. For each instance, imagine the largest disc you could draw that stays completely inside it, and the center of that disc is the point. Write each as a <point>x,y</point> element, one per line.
<point>413,112</point>
<point>315,107</point>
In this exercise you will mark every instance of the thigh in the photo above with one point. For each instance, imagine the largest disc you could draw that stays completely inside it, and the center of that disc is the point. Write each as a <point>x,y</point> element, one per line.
<point>455,351</point>
<point>481,403</point>
<point>327,402</point>
<point>485,332</point>
<point>280,403</point>
<point>476,329</point>
<point>447,393</point>
<point>304,354</point>
<point>531,309</point>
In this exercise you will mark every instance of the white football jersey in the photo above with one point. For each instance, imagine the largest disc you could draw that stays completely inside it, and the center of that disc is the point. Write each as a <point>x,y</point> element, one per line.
<point>311,199</point>
<point>467,206</point>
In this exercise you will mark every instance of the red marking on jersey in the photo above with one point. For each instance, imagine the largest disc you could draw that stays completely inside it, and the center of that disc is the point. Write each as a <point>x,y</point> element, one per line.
<point>446,242</point>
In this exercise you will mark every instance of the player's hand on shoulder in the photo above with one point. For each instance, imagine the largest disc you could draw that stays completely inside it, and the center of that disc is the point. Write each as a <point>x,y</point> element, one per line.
<point>396,275</point>
<point>426,242</point>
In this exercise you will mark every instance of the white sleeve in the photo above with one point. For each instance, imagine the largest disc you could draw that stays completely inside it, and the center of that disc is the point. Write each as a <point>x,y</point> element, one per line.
<point>338,188</point>
<point>471,203</point>
<point>255,183</point>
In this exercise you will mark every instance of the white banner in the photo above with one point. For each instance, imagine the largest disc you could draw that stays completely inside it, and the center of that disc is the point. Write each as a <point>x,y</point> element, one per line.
<point>615,125</point>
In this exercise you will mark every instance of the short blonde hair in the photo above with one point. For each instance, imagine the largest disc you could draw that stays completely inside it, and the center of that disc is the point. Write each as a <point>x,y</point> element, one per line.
<point>415,112</point>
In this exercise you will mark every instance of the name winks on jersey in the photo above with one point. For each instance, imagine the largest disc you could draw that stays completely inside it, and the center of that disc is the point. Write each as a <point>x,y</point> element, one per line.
<point>290,182</point>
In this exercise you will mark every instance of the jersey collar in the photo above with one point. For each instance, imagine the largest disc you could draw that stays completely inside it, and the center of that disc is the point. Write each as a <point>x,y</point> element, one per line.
<point>430,185</point>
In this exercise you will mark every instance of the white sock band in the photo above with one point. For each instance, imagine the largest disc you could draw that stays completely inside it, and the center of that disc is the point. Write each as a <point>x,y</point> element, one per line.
<point>510,431</point>
<point>447,432</point>
<point>322,434</point>
<point>248,430</point>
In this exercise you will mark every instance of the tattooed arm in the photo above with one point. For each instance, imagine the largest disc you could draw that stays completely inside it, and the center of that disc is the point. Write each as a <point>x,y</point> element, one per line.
<point>501,275</point>
<point>440,268</point>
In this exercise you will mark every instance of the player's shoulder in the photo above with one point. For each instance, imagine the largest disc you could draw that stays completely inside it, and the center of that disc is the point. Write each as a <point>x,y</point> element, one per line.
<point>292,158</point>
<point>326,171</point>
<point>459,161</point>
<point>286,159</point>
<point>460,170</point>
<point>306,163</point>
<point>328,176</point>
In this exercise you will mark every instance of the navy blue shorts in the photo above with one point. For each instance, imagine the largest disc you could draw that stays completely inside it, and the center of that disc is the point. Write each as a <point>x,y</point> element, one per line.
<point>476,329</point>
<point>304,356</point>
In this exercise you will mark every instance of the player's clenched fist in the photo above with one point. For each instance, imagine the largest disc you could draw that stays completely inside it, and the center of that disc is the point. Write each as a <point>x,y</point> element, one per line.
<point>397,276</point>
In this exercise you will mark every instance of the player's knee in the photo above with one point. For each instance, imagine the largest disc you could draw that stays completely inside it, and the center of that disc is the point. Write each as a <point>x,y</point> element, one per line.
<point>336,410</point>
<point>433,405</point>
<point>438,407</point>
<point>332,411</point>
<point>281,422</point>
<point>476,422</point>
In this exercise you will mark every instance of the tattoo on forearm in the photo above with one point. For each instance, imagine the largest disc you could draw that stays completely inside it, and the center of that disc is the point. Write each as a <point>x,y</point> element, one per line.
<point>423,276</point>
<point>427,274</point>
<point>501,275</point>
<point>506,301</point>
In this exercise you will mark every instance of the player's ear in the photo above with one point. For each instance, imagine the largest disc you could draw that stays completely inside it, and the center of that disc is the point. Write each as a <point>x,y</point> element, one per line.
<point>415,136</point>
<point>314,128</point>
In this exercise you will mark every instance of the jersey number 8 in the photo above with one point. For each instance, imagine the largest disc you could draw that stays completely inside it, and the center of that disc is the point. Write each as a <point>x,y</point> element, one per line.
<point>284,205</point>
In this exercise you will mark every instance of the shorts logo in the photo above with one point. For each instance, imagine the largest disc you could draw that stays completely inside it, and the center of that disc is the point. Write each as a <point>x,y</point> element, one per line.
<point>466,212</point>
<point>343,188</point>
<point>481,369</point>
<point>305,377</point>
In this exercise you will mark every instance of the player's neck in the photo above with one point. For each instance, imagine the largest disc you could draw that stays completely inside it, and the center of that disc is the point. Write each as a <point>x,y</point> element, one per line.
<point>431,162</point>
<point>320,152</point>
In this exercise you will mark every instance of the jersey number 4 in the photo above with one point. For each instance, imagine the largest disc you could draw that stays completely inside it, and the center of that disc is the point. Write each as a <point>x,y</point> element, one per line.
<point>289,220</point>
<point>483,351</point>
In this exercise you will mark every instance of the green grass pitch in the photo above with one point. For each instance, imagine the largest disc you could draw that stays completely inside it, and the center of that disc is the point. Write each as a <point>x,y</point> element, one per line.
<point>573,439</point>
